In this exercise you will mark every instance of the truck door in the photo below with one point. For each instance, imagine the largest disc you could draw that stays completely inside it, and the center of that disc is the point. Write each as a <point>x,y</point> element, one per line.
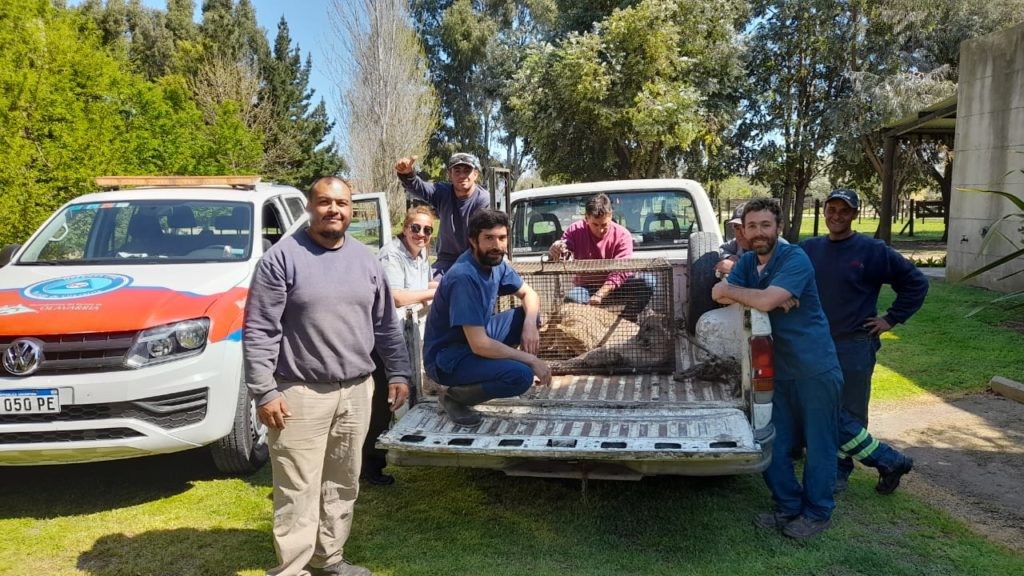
<point>371,221</point>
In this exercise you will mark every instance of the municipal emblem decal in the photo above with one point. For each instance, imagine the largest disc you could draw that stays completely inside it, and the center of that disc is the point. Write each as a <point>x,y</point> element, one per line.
<point>70,287</point>
<point>23,356</point>
<point>12,309</point>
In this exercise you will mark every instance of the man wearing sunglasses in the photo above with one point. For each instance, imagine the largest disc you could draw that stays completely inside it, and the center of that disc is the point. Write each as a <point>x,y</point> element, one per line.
<point>408,274</point>
<point>455,202</point>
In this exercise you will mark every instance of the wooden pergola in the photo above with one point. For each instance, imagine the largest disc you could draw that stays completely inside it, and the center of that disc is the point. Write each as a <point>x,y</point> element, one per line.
<point>939,119</point>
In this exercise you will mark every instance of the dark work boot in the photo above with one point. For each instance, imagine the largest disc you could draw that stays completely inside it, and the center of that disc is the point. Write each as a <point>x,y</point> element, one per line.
<point>889,480</point>
<point>773,519</point>
<point>803,528</point>
<point>457,402</point>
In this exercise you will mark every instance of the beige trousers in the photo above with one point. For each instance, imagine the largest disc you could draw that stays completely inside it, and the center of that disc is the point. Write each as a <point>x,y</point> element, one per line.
<point>316,460</point>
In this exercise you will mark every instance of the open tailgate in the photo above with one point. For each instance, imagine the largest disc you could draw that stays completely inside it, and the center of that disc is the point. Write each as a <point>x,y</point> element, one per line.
<point>581,441</point>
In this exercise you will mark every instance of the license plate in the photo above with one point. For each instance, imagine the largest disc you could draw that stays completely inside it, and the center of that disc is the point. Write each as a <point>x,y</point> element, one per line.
<point>29,401</point>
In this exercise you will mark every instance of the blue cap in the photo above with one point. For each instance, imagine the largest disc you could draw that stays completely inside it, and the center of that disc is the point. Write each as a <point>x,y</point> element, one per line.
<point>464,158</point>
<point>846,195</point>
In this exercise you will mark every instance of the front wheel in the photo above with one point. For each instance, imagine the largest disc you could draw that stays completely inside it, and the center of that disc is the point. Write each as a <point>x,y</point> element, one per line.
<point>244,450</point>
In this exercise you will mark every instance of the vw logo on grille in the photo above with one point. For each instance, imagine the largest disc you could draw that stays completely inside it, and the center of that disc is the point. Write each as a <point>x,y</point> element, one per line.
<point>23,356</point>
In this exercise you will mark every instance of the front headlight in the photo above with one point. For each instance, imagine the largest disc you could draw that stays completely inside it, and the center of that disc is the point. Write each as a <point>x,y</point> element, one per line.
<point>168,342</point>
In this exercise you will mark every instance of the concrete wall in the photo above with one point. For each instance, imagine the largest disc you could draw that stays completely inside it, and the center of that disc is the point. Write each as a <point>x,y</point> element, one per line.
<point>989,144</point>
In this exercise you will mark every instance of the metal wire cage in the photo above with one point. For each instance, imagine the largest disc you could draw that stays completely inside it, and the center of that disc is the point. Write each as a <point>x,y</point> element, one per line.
<point>629,330</point>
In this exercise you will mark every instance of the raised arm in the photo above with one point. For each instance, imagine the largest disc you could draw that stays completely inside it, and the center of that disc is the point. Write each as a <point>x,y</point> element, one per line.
<point>412,183</point>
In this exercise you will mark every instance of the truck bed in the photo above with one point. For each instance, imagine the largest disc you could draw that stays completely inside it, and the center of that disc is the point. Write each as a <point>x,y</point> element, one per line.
<point>640,388</point>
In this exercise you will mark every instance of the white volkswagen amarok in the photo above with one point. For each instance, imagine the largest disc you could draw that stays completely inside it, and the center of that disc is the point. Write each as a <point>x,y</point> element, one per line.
<point>121,322</point>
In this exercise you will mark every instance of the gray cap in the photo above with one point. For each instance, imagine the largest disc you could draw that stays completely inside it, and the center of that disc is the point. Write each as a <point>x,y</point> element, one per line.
<point>846,195</point>
<point>464,158</point>
<point>737,215</point>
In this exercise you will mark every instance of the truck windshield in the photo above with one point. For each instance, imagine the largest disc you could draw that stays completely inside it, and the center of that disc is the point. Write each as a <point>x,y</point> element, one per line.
<point>144,232</point>
<point>656,219</point>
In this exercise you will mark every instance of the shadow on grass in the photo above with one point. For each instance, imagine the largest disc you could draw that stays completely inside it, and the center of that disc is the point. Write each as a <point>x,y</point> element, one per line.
<point>481,522</point>
<point>70,489</point>
<point>182,552</point>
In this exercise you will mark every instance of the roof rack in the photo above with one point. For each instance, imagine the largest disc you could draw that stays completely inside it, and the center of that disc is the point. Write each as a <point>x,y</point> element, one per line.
<point>116,182</point>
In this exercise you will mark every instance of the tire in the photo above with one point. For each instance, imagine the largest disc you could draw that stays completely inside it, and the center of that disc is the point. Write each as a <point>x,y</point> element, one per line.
<point>701,258</point>
<point>244,450</point>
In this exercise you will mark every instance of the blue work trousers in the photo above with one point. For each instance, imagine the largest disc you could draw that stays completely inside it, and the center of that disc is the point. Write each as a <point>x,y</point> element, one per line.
<point>855,442</point>
<point>807,408</point>
<point>635,293</point>
<point>501,378</point>
<point>857,360</point>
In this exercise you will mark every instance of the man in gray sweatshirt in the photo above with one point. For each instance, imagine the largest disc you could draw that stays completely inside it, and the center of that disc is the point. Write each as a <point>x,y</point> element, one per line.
<point>318,305</point>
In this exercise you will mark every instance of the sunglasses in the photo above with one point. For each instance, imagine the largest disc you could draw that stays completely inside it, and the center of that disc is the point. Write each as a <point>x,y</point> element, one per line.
<point>416,229</point>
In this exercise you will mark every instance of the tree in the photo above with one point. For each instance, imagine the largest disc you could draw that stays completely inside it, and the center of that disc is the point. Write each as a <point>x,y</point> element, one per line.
<point>70,109</point>
<point>796,70</point>
<point>628,99</point>
<point>389,106</point>
<point>292,148</point>
<point>473,49</point>
<point>906,58</point>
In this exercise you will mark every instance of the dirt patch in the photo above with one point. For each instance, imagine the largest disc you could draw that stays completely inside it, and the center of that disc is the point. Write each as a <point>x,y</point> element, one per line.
<point>920,250</point>
<point>1015,325</point>
<point>968,458</point>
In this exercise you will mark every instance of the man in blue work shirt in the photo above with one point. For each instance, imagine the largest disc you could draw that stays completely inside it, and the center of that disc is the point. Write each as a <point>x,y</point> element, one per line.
<point>850,269</point>
<point>469,348</point>
<point>455,202</point>
<point>778,279</point>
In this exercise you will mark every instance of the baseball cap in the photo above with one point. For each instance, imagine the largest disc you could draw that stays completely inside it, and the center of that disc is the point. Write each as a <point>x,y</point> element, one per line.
<point>846,195</point>
<point>737,215</point>
<point>463,158</point>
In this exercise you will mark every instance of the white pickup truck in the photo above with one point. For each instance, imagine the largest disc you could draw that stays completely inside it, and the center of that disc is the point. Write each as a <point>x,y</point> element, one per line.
<point>617,419</point>
<point>121,320</point>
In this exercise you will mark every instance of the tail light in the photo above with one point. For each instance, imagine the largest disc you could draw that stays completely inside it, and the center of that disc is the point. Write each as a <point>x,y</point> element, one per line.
<point>762,369</point>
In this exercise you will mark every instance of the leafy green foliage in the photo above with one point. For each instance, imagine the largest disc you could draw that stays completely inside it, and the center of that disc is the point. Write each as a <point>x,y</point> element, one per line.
<point>473,49</point>
<point>628,98</point>
<point>1014,238</point>
<point>112,87</point>
<point>73,110</point>
<point>295,132</point>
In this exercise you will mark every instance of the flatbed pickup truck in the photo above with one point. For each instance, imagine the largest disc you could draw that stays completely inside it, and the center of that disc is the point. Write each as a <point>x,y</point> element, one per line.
<point>625,418</point>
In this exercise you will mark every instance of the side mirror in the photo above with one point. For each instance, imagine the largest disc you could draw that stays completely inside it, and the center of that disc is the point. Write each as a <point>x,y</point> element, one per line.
<point>7,252</point>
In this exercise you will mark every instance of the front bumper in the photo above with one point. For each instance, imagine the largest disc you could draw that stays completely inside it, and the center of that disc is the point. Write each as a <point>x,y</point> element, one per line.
<point>128,413</point>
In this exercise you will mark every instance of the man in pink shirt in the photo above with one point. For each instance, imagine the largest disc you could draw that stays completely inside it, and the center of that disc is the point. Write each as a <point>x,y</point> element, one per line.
<point>597,237</point>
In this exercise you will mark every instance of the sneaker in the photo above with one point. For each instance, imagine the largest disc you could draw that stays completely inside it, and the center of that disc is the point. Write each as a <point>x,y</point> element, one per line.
<point>889,480</point>
<point>804,527</point>
<point>842,483</point>
<point>343,568</point>
<point>773,519</point>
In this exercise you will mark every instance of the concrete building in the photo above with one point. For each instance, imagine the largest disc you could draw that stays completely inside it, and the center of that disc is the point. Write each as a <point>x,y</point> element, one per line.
<point>989,155</point>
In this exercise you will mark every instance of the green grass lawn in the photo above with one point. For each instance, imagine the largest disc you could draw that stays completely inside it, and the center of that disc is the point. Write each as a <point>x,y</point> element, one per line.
<point>930,230</point>
<point>173,516</point>
<point>940,350</point>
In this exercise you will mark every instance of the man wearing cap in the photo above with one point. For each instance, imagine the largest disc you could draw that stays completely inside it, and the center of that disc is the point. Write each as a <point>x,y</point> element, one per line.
<point>730,251</point>
<point>454,202</point>
<point>850,269</point>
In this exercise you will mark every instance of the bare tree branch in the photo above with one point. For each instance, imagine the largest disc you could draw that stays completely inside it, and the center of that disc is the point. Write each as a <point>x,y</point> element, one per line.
<point>386,101</point>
